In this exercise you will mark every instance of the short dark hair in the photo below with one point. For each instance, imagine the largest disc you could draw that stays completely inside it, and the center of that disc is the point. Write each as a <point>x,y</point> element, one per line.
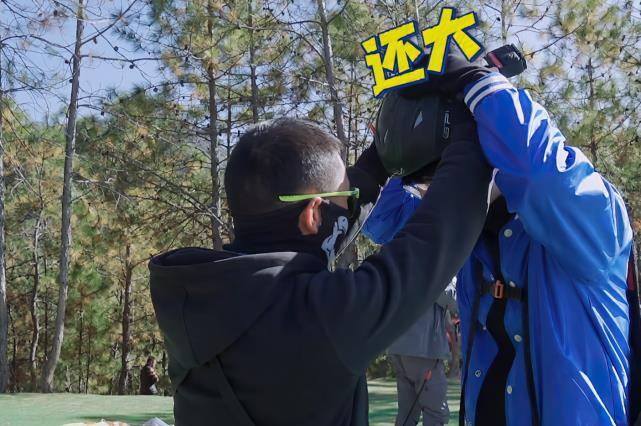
<point>279,157</point>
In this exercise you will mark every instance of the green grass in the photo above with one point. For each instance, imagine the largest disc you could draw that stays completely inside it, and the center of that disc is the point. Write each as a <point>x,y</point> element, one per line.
<point>27,409</point>
<point>30,409</point>
<point>382,402</point>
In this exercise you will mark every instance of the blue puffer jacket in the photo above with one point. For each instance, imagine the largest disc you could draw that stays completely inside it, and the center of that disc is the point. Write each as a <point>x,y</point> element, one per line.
<point>569,245</point>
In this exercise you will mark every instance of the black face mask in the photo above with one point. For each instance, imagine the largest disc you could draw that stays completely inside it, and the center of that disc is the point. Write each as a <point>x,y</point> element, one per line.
<point>278,231</point>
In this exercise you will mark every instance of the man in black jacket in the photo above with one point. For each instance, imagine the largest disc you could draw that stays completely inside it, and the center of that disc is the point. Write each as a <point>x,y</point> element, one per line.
<point>265,332</point>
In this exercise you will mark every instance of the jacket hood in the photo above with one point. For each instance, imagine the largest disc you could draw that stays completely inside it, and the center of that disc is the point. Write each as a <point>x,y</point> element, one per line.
<point>205,299</point>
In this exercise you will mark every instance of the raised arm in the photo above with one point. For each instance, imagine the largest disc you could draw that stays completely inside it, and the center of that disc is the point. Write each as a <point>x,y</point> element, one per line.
<point>563,203</point>
<point>368,174</point>
<point>365,310</point>
<point>394,208</point>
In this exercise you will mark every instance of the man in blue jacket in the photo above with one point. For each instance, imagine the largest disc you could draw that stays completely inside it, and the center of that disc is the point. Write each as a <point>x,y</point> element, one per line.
<point>542,298</point>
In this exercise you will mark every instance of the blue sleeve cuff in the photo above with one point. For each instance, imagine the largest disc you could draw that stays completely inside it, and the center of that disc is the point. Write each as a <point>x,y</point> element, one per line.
<point>479,90</point>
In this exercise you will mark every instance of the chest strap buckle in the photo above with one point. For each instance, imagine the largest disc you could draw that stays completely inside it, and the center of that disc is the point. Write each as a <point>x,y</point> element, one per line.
<point>498,290</point>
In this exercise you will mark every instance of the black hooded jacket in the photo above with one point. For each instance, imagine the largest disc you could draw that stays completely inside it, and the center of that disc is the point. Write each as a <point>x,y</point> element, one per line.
<point>294,340</point>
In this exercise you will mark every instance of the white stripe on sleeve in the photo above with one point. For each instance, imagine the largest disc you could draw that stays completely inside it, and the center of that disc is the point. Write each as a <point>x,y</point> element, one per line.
<point>482,83</point>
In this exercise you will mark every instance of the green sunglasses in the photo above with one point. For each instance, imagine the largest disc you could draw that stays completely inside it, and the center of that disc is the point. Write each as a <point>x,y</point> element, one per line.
<point>352,195</point>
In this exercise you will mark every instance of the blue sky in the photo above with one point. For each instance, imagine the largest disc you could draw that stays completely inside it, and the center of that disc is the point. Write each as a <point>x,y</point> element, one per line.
<point>97,76</point>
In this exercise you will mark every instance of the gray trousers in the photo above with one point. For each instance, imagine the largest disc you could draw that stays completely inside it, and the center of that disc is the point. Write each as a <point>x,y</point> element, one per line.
<point>432,397</point>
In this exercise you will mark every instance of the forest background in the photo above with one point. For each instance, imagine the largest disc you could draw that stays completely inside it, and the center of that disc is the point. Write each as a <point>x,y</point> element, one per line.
<point>117,117</point>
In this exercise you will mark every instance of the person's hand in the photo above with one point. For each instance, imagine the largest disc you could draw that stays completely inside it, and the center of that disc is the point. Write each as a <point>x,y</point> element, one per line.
<point>459,72</point>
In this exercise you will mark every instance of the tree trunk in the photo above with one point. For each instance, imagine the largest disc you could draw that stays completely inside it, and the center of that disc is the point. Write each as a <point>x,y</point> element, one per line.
<point>213,136</point>
<point>505,13</point>
<point>80,341</point>
<point>350,255</point>
<point>594,149</point>
<point>14,355</point>
<point>45,266</point>
<point>352,128</point>
<point>328,61</point>
<point>252,65</point>
<point>65,232</point>
<point>4,310</point>
<point>88,360</point>
<point>126,323</point>
<point>35,322</point>
<point>230,221</point>
<point>46,331</point>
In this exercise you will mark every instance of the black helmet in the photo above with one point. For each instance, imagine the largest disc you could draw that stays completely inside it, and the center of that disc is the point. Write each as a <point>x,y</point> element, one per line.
<point>412,132</point>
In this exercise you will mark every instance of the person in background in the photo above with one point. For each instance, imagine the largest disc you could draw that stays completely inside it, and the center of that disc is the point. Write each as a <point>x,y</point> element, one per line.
<point>149,378</point>
<point>452,326</point>
<point>418,355</point>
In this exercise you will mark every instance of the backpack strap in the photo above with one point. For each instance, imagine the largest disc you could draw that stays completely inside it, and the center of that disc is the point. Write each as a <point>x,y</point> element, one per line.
<point>229,397</point>
<point>499,291</point>
<point>529,371</point>
<point>634,302</point>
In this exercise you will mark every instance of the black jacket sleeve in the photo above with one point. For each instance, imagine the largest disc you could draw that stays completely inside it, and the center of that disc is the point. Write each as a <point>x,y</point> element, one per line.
<point>368,174</point>
<point>365,310</point>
